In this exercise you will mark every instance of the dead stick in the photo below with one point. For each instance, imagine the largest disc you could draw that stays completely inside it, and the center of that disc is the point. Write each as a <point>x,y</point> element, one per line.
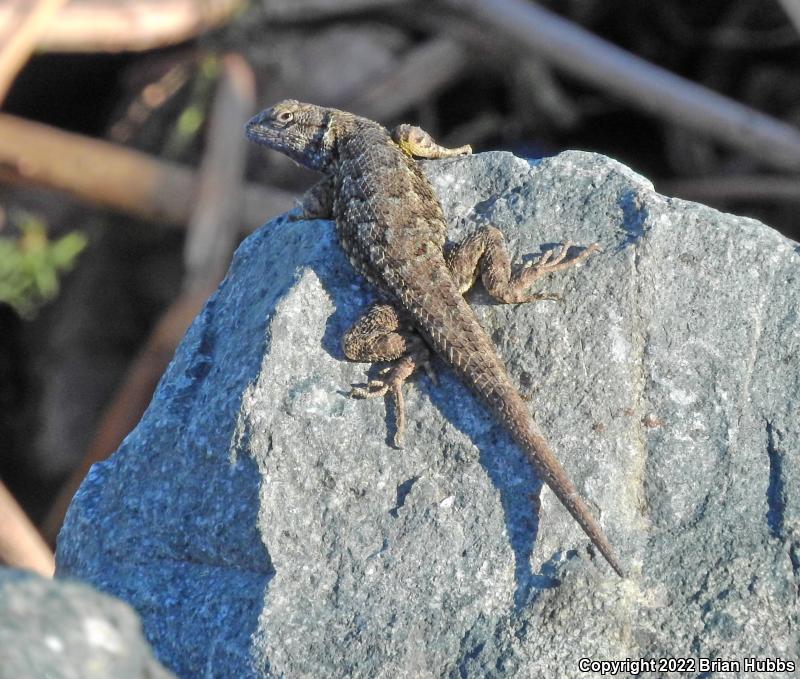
<point>215,223</point>
<point>639,82</point>
<point>114,176</point>
<point>19,34</point>
<point>792,10</point>
<point>421,73</point>
<point>21,546</point>
<point>126,25</point>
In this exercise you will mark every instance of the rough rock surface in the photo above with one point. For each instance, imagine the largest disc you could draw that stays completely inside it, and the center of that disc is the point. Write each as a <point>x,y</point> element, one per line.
<point>262,525</point>
<point>67,630</point>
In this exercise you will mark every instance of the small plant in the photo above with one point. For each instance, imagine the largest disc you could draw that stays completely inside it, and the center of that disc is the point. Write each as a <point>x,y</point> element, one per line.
<point>30,263</point>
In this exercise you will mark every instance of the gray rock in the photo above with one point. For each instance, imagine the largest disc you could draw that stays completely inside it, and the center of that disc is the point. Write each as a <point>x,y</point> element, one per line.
<point>67,630</point>
<point>262,525</point>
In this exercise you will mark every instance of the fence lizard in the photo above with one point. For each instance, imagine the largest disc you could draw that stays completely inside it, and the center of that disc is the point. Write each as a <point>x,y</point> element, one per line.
<point>393,230</point>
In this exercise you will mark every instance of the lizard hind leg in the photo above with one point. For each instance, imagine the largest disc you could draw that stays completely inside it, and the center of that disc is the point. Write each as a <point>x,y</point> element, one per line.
<point>485,252</point>
<point>417,142</point>
<point>379,335</point>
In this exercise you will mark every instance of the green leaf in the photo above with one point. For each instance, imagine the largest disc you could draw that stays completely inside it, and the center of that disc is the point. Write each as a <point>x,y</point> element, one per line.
<point>31,263</point>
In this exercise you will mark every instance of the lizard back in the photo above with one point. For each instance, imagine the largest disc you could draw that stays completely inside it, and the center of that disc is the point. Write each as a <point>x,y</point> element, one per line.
<point>391,225</point>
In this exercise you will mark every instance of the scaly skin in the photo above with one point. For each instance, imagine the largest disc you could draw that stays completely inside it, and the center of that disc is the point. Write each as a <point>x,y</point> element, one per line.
<point>392,228</point>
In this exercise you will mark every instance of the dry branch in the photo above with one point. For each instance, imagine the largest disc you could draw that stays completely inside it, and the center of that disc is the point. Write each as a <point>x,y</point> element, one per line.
<point>21,546</point>
<point>215,223</point>
<point>19,34</point>
<point>126,25</point>
<point>792,9</point>
<point>114,176</point>
<point>421,73</point>
<point>639,82</point>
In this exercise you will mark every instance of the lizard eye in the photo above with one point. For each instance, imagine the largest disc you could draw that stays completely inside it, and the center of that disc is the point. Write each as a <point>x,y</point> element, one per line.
<point>284,117</point>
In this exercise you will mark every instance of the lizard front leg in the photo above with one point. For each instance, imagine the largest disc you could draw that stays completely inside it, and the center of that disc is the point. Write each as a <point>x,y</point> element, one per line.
<point>485,252</point>
<point>317,202</point>
<point>380,335</point>
<point>417,142</point>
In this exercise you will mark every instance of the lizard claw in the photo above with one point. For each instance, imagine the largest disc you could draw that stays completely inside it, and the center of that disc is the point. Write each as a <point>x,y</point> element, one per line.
<point>550,261</point>
<point>391,384</point>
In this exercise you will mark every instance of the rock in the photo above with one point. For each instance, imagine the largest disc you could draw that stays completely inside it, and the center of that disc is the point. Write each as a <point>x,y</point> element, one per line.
<point>262,525</point>
<point>68,630</point>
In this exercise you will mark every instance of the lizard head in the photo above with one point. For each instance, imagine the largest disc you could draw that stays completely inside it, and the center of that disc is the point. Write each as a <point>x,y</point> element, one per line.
<point>300,131</point>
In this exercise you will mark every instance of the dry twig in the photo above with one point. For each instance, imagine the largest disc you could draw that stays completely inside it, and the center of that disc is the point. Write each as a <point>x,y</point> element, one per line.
<point>215,223</point>
<point>21,546</point>
<point>114,176</point>
<point>639,82</point>
<point>792,9</point>
<point>24,24</point>
<point>421,73</point>
<point>126,25</point>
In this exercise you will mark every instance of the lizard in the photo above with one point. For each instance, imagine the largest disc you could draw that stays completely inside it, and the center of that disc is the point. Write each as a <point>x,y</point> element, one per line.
<point>392,228</point>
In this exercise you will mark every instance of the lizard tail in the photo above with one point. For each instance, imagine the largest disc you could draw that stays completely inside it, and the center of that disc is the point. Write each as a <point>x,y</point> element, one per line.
<point>548,467</point>
<point>551,471</point>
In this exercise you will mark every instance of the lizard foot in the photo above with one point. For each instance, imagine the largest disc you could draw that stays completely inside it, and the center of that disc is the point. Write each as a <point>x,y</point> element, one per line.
<point>391,383</point>
<point>549,262</point>
<point>553,260</point>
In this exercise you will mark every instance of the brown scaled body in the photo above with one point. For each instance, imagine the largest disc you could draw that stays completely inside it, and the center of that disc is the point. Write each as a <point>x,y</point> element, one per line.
<point>392,228</point>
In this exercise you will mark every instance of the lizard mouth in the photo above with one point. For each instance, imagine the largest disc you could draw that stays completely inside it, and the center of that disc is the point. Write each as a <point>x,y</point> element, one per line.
<point>291,140</point>
<point>256,131</point>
